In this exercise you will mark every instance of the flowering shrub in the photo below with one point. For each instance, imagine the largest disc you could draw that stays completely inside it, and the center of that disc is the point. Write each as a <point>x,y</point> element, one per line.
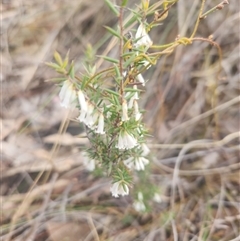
<point>111,113</point>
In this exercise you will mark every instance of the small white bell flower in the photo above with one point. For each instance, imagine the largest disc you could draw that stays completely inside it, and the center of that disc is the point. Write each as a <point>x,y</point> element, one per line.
<point>142,37</point>
<point>136,111</point>
<point>140,79</point>
<point>125,111</point>
<point>137,163</point>
<point>100,128</point>
<point>126,141</point>
<point>67,95</point>
<point>82,101</point>
<point>89,121</point>
<point>134,97</point>
<point>138,204</point>
<point>119,188</point>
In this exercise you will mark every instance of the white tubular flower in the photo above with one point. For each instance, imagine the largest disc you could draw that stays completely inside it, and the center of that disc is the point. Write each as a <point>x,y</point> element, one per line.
<point>129,163</point>
<point>138,163</point>
<point>121,144</point>
<point>126,141</point>
<point>84,106</point>
<point>134,97</point>
<point>82,116</point>
<point>67,95</point>
<point>100,128</point>
<point>138,204</point>
<point>88,163</point>
<point>143,37</point>
<point>124,111</point>
<point>140,79</point>
<point>129,140</point>
<point>119,188</point>
<point>157,198</point>
<point>95,118</point>
<point>89,121</point>
<point>145,149</point>
<point>136,111</point>
<point>82,101</point>
<point>85,112</point>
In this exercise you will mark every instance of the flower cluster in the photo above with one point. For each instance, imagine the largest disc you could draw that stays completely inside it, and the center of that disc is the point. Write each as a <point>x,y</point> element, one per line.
<point>108,98</point>
<point>90,116</point>
<point>112,118</point>
<point>137,163</point>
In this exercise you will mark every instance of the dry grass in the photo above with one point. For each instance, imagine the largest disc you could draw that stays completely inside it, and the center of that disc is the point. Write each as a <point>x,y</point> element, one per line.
<point>192,110</point>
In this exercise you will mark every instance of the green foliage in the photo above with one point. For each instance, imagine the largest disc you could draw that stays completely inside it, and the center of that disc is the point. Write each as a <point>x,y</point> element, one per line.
<point>108,98</point>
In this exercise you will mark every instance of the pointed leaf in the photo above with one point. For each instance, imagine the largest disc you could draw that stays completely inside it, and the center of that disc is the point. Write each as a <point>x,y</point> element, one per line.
<point>113,32</point>
<point>112,7</point>
<point>65,62</point>
<point>117,71</point>
<point>129,61</point>
<point>52,65</point>
<point>58,58</point>
<point>56,79</point>
<point>124,3</point>
<point>71,71</point>
<point>112,92</point>
<point>115,61</point>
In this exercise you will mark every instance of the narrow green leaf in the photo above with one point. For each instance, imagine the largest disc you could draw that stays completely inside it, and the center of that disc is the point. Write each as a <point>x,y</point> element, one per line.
<point>129,61</point>
<point>124,3</point>
<point>56,79</point>
<point>132,90</point>
<point>52,65</point>
<point>71,71</point>
<point>113,32</point>
<point>128,54</point>
<point>112,7</point>
<point>115,61</point>
<point>58,58</point>
<point>117,71</point>
<point>65,62</point>
<point>84,81</point>
<point>114,93</point>
<point>61,71</point>
<point>116,100</point>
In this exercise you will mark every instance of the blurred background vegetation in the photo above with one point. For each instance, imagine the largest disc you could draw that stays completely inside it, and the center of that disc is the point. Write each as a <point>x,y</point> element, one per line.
<point>192,95</point>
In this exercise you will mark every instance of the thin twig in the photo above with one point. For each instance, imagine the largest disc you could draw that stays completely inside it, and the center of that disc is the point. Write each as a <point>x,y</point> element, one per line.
<point>121,51</point>
<point>198,19</point>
